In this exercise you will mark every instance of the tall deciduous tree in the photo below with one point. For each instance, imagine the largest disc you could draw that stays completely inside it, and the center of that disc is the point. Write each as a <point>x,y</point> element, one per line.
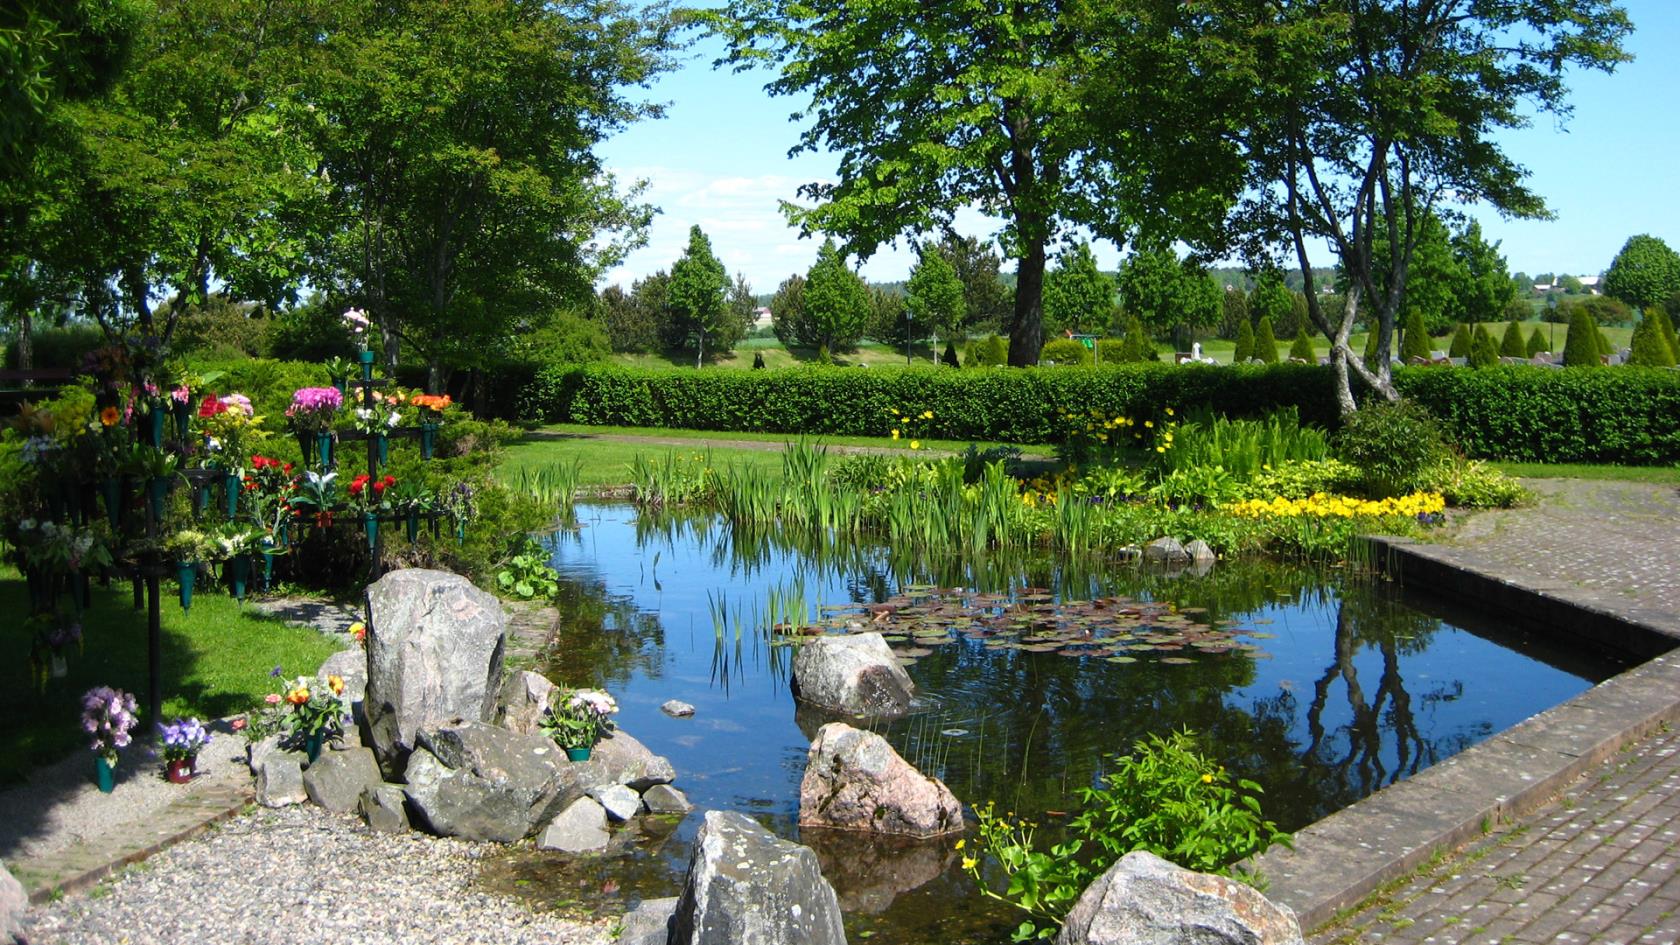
<point>1078,295</point>
<point>1373,113</point>
<point>1645,273</point>
<point>934,296</point>
<point>836,303</point>
<point>459,137</point>
<point>697,299</point>
<point>1486,286</point>
<point>987,299</point>
<point>1170,294</point>
<point>938,106</point>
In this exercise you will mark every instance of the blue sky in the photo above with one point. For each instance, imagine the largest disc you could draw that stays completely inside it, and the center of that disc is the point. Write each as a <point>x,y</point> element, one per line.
<point>719,159</point>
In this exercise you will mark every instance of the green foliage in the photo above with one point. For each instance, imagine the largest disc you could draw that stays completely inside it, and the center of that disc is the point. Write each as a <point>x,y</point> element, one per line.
<point>221,328</point>
<point>1265,343</point>
<point>1472,484</point>
<point>1137,346</point>
<point>1415,343</point>
<point>1462,339</point>
<point>1665,325</point>
<point>1484,352</point>
<point>1166,797</point>
<point>59,347</point>
<point>835,303</point>
<point>1512,344</point>
<point>1301,349</point>
<point>1078,296</point>
<point>1165,292</point>
<point>1581,346</point>
<point>1645,272</point>
<point>1235,315</point>
<point>1601,309</point>
<point>1486,287</point>
<point>697,298</point>
<point>1065,352</point>
<point>991,351</point>
<point>1244,448</point>
<point>1536,343</point>
<point>1245,342</point>
<point>1650,348</point>
<point>1392,445</point>
<point>637,320</point>
<point>949,357</point>
<point>934,294</point>
<point>565,338</point>
<point>527,574</point>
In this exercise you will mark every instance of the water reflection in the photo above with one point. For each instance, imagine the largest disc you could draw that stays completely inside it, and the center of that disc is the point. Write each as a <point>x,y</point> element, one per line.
<point>1354,687</point>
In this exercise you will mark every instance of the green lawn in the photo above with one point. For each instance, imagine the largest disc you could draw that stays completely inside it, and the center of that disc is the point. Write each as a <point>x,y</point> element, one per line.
<point>1660,474</point>
<point>607,462</point>
<point>216,663</point>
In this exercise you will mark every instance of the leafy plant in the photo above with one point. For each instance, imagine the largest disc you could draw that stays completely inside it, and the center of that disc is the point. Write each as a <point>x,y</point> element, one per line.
<point>1392,444</point>
<point>1043,883</point>
<point>528,573</point>
<point>578,718</point>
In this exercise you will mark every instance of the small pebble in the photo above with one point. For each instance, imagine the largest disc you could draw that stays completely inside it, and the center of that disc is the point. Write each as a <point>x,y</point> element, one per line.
<point>676,709</point>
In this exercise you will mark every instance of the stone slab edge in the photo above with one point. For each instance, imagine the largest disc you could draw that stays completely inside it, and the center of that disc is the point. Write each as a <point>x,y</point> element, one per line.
<point>1562,609</point>
<point>1340,860</point>
<point>221,806</point>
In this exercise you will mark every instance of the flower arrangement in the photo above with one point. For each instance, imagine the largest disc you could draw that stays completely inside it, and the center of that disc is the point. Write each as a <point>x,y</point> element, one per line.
<point>183,739</point>
<point>305,710</point>
<point>108,715</point>
<point>313,409</point>
<point>316,495</point>
<point>374,422</point>
<point>357,324</point>
<point>368,493</point>
<point>230,426</point>
<point>578,718</point>
<point>269,485</point>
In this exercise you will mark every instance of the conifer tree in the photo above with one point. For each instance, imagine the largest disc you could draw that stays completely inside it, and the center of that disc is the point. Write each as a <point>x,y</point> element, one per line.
<point>1461,341</point>
<point>1580,346</point>
<point>1265,343</point>
<point>1484,352</point>
<point>1511,346</point>
<point>1536,342</point>
<point>1415,343</point>
<point>1301,349</point>
<point>1245,343</point>
<point>1649,348</point>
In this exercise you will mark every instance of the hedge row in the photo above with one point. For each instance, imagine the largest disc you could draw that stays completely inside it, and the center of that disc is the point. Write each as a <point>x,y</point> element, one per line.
<point>1624,415</point>
<point>1627,415</point>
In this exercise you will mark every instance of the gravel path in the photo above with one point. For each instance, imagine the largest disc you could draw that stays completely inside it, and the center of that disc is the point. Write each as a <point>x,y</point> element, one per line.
<point>302,874</point>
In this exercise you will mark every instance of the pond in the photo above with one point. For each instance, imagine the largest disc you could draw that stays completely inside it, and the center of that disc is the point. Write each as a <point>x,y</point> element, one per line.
<point>1319,684</point>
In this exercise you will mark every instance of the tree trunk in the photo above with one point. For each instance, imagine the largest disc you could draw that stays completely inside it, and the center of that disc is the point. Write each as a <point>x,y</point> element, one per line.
<point>26,341</point>
<point>1026,336</point>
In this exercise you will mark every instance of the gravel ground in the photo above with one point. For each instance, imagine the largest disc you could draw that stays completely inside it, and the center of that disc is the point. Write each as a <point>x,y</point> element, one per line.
<point>302,874</point>
<point>60,805</point>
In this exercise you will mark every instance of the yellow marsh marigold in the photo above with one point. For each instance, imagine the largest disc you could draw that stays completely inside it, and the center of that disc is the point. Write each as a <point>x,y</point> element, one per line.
<point>1321,505</point>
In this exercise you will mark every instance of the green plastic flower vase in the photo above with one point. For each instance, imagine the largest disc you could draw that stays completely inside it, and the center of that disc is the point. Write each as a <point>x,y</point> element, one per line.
<point>412,525</point>
<point>186,573</point>
<point>110,489</point>
<point>324,449</point>
<point>103,775</point>
<point>239,575</point>
<point>370,524</point>
<point>428,439</point>
<point>230,495</point>
<point>382,448</point>
<point>183,419</point>
<point>157,488</point>
<point>578,754</point>
<point>154,427</point>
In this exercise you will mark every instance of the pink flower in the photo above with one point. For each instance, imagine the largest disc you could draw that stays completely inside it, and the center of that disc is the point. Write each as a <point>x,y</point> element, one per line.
<point>272,698</point>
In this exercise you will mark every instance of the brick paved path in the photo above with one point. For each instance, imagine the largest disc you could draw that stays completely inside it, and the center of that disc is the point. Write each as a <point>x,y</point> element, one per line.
<point>1601,864</point>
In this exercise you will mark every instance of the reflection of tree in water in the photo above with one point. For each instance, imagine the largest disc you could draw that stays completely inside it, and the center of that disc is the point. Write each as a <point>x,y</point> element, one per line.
<point>603,640</point>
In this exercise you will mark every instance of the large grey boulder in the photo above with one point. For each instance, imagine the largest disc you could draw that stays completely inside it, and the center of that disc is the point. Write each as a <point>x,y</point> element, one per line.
<point>351,666</point>
<point>649,923</point>
<point>434,653</point>
<point>1144,900</point>
<point>856,675</point>
<point>854,780</point>
<point>280,780</point>
<point>384,808</point>
<point>665,799</point>
<point>14,902</point>
<point>620,759</point>
<point>522,701</point>
<point>581,827</point>
<point>1201,554</point>
<point>1166,551</point>
<point>745,886</point>
<point>482,782</point>
<point>337,779</point>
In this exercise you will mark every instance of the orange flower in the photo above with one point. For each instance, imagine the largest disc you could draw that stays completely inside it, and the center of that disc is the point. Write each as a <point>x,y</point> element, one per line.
<point>109,416</point>
<point>358,631</point>
<point>336,684</point>
<point>298,696</point>
<point>431,401</point>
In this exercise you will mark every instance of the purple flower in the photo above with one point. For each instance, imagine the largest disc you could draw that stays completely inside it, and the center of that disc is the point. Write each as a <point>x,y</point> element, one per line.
<point>315,400</point>
<point>276,672</point>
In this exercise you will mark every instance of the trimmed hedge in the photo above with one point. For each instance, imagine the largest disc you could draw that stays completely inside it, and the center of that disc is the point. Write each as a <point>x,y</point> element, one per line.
<point>1627,415</point>
<point>1521,413</point>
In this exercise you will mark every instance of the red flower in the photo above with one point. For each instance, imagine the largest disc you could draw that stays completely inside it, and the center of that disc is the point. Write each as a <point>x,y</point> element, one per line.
<point>383,484</point>
<point>358,484</point>
<point>211,406</point>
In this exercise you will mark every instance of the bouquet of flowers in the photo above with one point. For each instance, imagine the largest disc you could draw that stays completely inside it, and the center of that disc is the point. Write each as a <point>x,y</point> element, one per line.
<point>313,409</point>
<point>108,715</point>
<point>316,495</point>
<point>431,406</point>
<point>357,324</point>
<point>368,493</point>
<point>230,426</point>
<point>183,740</point>
<point>373,422</point>
<point>579,717</point>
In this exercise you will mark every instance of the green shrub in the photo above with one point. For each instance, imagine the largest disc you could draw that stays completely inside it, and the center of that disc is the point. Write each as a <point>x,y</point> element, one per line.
<point>1415,345</point>
<point>58,347</point>
<point>1536,343</point>
<point>1512,346</point>
<point>1666,326</point>
<point>1580,347</point>
<point>1462,339</point>
<point>1245,343</point>
<point>949,358</point>
<point>1110,351</point>
<point>1649,347</point>
<point>1483,351</point>
<point>224,329</point>
<point>1391,444</point>
<point>1470,484</point>
<point>1265,343</point>
<point>1301,349</point>
<point>1064,352</point>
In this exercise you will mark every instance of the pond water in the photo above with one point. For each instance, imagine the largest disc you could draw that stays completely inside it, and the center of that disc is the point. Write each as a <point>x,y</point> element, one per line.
<point>1321,686</point>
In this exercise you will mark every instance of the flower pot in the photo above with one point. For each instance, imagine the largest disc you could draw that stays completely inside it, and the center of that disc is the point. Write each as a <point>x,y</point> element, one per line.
<point>156,488</point>
<point>428,439</point>
<point>179,770</point>
<point>366,358</point>
<point>343,385</point>
<point>411,523</point>
<point>324,449</point>
<point>183,418</point>
<point>306,446</point>
<point>201,499</point>
<point>267,569</point>
<point>312,746</point>
<point>230,494</point>
<point>578,754</point>
<point>103,775</point>
<point>370,524</point>
<point>58,667</point>
<point>187,574</point>
<point>460,533</point>
<point>239,574</point>
<point>110,489</point>
<point>382,448</point>
<point>154,426</point>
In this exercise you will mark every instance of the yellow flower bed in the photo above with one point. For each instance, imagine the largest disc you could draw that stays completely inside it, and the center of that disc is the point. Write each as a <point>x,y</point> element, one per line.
<point>1321,505</point>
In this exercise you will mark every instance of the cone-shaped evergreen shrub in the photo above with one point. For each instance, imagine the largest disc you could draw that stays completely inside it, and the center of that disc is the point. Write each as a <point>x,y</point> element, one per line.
<point>1301,349</point>
<point>949,358</point>
<point>1536,342</point>
<point>1665,327</point>
<point>1415,344</point>
<point>1265,343</point>
<point>1137,345</point>
<point>1604,346</point>
<point>1483,351</point>
<point>1245,343</point>
<point>1580,348</point>
<point>1370,354</point>
<point>1650,349</point>
<point>1511,346</point>
<point>1462,339</point>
